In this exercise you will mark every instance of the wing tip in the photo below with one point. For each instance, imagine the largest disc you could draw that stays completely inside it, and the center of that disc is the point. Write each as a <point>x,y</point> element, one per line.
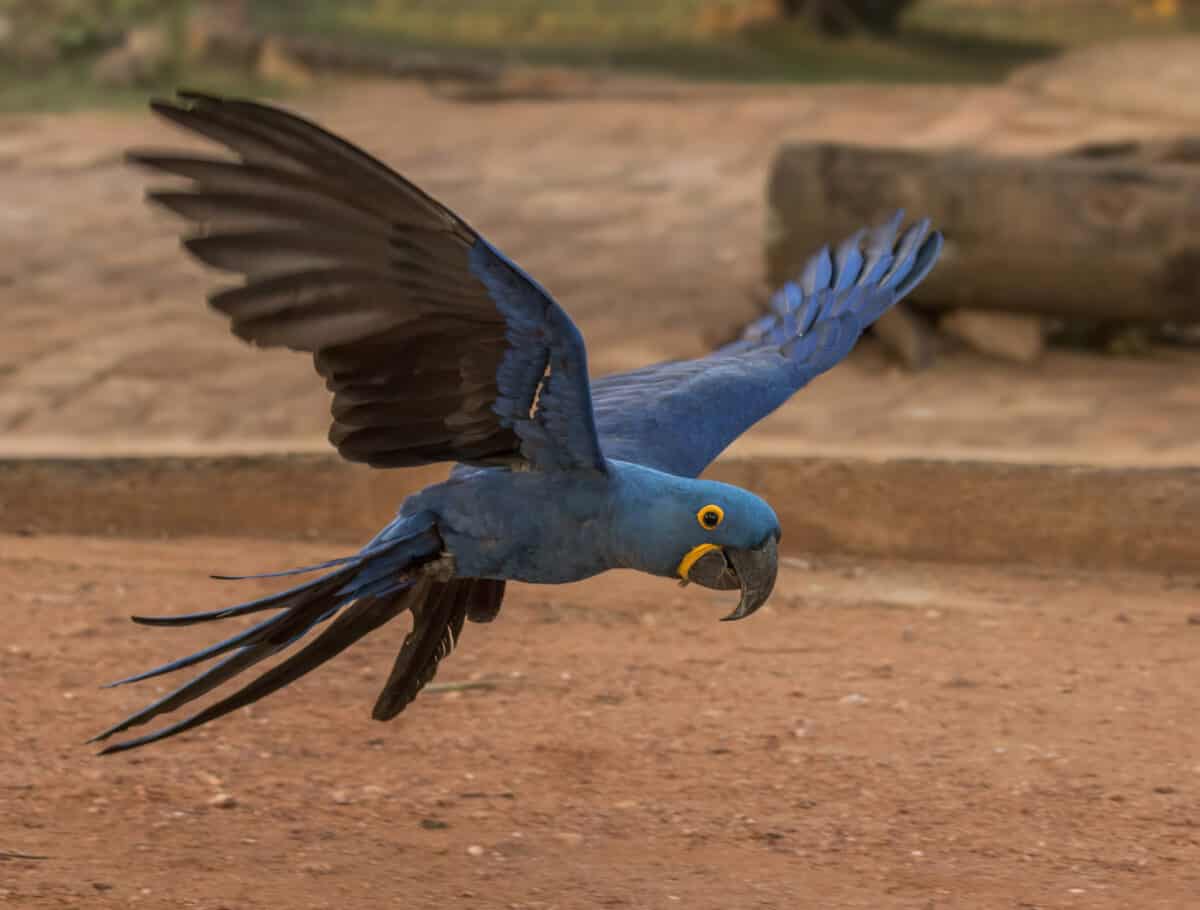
<point>883,243</point>
<point>184,99</point>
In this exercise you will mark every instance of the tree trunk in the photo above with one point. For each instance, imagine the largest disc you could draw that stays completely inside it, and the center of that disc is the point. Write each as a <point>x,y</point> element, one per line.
<point>843,17</point>
<point>1093,238</point>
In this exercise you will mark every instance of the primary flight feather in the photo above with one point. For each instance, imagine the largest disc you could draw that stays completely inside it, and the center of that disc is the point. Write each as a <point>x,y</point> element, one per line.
<point>437,347</point>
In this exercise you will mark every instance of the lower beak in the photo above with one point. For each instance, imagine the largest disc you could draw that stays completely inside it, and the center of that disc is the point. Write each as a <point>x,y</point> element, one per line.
<point>756,571</point>
<point>753,571</point>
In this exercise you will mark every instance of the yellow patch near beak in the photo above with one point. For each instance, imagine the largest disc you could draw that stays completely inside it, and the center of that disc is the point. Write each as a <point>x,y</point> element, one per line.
<point>685,564</point>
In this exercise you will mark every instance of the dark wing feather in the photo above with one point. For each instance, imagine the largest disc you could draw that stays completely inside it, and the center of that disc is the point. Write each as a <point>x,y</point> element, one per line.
<point>435,346</point>
<point>677,417</point>
<point>486,596</point>
<point>438,615</point>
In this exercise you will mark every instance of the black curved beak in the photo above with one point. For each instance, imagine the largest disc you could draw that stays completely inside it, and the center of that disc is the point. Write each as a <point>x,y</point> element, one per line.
<point>753,571</point>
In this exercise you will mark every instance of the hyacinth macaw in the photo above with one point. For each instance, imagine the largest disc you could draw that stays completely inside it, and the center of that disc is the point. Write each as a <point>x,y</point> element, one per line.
<point>437,347</point>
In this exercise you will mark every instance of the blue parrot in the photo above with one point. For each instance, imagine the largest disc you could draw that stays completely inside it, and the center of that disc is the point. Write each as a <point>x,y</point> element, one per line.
<point>438,348</point>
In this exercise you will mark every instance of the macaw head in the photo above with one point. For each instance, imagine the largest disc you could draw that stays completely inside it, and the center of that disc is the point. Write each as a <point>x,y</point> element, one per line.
<point>716,535</point>
<point>735,546</point>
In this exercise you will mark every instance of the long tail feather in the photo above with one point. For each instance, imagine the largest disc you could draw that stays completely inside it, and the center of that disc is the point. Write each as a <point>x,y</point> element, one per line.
<point>361,618</point>
<point>194,688</point>
<point>283,628</point>
<point>374,584</point>
<point>302,570</point>
<point>279,601</point>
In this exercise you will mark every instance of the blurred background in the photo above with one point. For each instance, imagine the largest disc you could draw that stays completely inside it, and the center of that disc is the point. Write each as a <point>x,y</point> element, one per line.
<point>662,167</point>
<point>975,685</point>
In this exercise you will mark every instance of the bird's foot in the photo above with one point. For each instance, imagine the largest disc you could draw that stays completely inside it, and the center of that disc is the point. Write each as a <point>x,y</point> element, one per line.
<point>440,569</point>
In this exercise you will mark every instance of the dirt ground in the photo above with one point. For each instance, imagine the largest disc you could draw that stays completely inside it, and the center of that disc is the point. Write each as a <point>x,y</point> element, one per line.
<point>644,215</point>
<point>879,736</point>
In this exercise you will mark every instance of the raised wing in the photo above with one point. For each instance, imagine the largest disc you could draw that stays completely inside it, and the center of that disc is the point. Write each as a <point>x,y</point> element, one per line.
<point>436,347</point>
<point>679,416</point>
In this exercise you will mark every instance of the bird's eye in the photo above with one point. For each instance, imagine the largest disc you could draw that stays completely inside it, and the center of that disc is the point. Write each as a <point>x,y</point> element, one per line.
<point>710,516</point>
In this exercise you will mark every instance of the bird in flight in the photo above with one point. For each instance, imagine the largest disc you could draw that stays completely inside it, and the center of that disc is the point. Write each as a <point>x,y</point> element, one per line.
<point>438,348</point>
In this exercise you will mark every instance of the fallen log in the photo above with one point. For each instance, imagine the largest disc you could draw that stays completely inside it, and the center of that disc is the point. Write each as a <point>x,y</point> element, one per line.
<point>1105,237</point>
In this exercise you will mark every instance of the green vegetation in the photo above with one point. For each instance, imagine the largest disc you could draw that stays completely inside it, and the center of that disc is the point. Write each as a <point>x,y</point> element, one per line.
<point>939,40</point>
<point>73,27</point>
<point>1060,24</point>
<point>69,87</point>
<point>48,62</point>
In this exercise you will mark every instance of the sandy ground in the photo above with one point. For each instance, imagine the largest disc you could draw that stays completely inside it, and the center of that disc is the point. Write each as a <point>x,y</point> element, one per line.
<point>879,736</point>
<point>643,215</point>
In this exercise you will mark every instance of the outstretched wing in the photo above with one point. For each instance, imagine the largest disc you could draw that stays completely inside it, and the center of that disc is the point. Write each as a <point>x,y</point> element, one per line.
<point>679,416</point>
<point>436,346</point>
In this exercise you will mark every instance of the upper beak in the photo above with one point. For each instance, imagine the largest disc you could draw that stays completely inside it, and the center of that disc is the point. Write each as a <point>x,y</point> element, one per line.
<point>753,571</point>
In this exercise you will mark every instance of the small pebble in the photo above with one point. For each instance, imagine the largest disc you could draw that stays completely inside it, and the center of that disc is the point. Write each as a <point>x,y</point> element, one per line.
<point>475,850</point>
<point>222,801</point>
<point>854,698</point>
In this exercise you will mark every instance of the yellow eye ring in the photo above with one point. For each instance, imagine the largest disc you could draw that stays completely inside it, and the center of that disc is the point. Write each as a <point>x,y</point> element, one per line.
<point>710,517</point>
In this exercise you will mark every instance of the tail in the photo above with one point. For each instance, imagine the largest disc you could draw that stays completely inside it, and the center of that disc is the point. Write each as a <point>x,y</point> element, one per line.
<point>843,292</point>
<point>362,593</point>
